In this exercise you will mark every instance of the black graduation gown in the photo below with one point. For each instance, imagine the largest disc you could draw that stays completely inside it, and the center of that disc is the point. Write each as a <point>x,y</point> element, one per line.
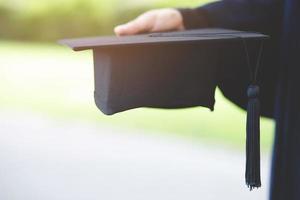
<point>279,77</point>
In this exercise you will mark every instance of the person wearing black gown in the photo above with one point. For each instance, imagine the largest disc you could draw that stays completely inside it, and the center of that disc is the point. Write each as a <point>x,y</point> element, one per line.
<point>279,77</point>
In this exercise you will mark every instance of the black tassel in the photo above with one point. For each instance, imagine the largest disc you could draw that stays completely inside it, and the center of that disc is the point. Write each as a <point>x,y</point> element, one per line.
<point>253,139</point>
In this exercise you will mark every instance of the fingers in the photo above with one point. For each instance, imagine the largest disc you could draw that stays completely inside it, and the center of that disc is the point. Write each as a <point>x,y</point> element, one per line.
<point>142,24</point>
<point>168,20</point>
<point>159,20</point>
<point>130,28</point>
<point>136,26</point>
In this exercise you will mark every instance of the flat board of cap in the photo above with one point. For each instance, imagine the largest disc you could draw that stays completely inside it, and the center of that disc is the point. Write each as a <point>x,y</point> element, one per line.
<point>202,35</point>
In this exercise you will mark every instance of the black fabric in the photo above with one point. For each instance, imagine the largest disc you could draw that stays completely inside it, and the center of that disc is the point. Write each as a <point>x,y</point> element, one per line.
<point>280,76</point>
<point>194,19</point>
<point>267,76</point>
<point>263,16</point>
<point>160,76</point>
<point>166,70</point>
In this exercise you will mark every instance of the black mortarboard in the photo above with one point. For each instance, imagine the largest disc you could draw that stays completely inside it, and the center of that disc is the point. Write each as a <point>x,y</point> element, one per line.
<point>175,70</point>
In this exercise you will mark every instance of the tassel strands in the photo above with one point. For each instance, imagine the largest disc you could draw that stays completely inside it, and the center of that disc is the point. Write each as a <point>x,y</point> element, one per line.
<point>253,179</point>
<point>252,174</point>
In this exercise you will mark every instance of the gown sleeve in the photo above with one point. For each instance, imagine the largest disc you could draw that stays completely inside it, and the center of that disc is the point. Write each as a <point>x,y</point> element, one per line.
<point>263,16</point>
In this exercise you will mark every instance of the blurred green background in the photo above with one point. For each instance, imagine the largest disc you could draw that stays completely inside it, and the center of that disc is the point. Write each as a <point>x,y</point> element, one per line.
<point>37,75</point>
<point>44,20</point>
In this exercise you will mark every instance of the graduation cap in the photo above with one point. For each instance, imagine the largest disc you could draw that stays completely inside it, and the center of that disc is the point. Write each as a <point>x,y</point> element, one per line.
<point>176,70</point>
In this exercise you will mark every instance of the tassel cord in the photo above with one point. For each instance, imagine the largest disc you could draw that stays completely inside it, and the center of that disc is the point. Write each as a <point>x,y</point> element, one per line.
<point>253,76</point>
<point>252,174</point>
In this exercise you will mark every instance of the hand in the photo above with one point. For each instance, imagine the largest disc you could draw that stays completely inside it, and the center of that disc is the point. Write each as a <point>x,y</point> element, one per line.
<point>160,20</point>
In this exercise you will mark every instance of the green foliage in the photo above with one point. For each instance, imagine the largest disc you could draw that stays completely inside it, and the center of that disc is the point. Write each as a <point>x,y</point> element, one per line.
<point>178,3</point>
<point>44,20</point>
